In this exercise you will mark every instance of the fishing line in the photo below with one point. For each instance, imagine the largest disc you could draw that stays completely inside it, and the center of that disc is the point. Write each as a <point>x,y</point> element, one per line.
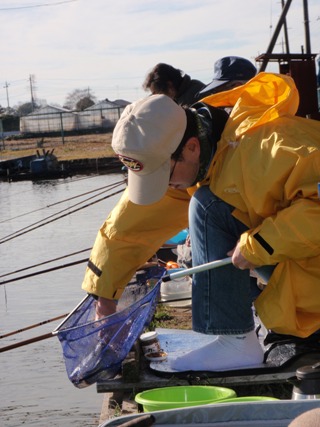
<point>10,237</point>
<point>114,170</point>
<point>62,201</point>
<point>48,335</point>
<point>50,216</point>
<point>49,270</point>
<point>27,328</point>
<point>44,262</point>
<point>29,341</point>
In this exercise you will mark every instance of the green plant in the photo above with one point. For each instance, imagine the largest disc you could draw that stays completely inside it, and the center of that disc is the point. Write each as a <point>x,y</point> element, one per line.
<point>161,315</point>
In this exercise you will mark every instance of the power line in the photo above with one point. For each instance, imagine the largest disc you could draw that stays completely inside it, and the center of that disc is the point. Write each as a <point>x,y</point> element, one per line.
<point>37,5</point>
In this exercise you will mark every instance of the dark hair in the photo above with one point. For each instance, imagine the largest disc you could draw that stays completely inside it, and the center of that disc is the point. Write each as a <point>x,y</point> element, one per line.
<point>160,76</point>
<point>191,131</point>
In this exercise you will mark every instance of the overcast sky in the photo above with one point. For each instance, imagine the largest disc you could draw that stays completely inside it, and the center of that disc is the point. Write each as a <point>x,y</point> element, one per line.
<point>109,46</point>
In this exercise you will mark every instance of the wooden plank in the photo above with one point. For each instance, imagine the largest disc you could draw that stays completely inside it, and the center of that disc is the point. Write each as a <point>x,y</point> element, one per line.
<point>119,394</point>
<point>152,381</point>
<point>149,380</point>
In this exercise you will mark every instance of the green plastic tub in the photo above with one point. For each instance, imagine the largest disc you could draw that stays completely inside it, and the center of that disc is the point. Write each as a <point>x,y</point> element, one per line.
<point>182,396</point>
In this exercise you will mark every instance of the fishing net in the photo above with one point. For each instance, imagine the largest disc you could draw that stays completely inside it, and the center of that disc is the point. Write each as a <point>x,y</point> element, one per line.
<point>94,349</point>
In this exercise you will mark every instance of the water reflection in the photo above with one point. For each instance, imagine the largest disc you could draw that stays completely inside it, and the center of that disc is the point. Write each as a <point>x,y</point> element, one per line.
<point>35,389</point>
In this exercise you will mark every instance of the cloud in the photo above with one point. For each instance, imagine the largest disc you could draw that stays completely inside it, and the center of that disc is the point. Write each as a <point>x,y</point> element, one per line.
<point>110,46</point>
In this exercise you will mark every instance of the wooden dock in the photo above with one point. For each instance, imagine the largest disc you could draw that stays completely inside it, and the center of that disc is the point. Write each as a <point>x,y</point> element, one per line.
<point>136,376</point>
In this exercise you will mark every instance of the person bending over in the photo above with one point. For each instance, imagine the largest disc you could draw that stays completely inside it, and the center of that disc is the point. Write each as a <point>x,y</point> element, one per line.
<point>248,186</point>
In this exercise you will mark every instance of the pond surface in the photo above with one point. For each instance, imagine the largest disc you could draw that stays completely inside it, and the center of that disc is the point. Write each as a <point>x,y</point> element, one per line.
<point>35,389</point>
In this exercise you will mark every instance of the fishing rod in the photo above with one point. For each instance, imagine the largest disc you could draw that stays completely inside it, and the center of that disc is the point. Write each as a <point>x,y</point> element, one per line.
<point>55,331</point>
<point>48,270</point>
<point>171,276</point>
<point>61,216</point>
<point>33,227</point>
<point>44,322</point>
<point>45,336</point>
<point>45,262</point>
<point>26,342</point>
<point>64,200</point>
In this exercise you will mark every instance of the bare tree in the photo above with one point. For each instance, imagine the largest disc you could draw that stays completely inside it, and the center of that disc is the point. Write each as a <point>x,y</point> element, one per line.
<point>26,108</point>
<point>84,103</point>
<point>74,97</point>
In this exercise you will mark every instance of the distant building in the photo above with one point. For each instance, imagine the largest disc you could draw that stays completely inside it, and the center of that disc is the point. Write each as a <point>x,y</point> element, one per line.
<point>102,115</point>
<point>48,119</point>
<point>121,102</point>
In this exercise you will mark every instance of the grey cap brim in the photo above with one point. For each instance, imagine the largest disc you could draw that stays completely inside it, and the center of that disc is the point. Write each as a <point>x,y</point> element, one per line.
<point>146,189</point>
<point>213,85</point>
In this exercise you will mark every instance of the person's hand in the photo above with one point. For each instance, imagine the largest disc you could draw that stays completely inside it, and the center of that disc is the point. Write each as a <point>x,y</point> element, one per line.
<point>238,260</point>
<point>105,307</point>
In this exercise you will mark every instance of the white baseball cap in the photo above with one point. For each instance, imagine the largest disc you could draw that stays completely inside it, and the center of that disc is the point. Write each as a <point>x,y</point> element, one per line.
<point>148,132</point>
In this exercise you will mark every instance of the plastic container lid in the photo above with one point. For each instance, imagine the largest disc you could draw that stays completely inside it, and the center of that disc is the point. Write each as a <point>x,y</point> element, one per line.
<point>147,336</point>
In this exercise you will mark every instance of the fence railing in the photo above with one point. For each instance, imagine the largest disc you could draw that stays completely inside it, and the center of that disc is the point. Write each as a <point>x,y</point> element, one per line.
<point>65,121</point>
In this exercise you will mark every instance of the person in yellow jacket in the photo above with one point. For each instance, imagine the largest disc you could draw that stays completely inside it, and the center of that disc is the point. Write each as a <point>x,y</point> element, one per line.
<point>250,183</point>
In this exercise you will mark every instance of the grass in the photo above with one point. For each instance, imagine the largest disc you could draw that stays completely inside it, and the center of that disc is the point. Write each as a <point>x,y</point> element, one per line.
<point>170,318</point>
<point>70,148</point>
<point>160,318</point>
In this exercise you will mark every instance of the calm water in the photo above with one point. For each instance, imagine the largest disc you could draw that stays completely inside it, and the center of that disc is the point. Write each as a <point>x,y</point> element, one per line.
<point>35,389</point>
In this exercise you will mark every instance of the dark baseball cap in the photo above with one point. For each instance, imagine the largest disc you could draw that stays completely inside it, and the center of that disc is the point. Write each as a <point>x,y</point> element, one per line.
<point>230,68</point>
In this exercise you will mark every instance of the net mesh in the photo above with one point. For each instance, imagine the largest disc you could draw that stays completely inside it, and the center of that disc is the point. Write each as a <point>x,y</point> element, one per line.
<point>94,349</point>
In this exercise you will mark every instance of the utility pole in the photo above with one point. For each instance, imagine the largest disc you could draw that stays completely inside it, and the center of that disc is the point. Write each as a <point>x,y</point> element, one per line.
<point>6,88</point>
<point>31,78</point>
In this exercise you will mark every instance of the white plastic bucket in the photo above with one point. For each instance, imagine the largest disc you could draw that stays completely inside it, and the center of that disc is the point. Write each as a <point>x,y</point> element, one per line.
<point>177,289</point>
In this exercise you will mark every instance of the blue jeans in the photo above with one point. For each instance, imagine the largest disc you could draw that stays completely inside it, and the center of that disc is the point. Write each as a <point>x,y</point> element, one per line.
<point>221,297</point>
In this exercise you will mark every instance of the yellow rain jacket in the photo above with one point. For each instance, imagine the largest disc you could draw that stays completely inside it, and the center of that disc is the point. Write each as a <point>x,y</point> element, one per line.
<point>267,166</point>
